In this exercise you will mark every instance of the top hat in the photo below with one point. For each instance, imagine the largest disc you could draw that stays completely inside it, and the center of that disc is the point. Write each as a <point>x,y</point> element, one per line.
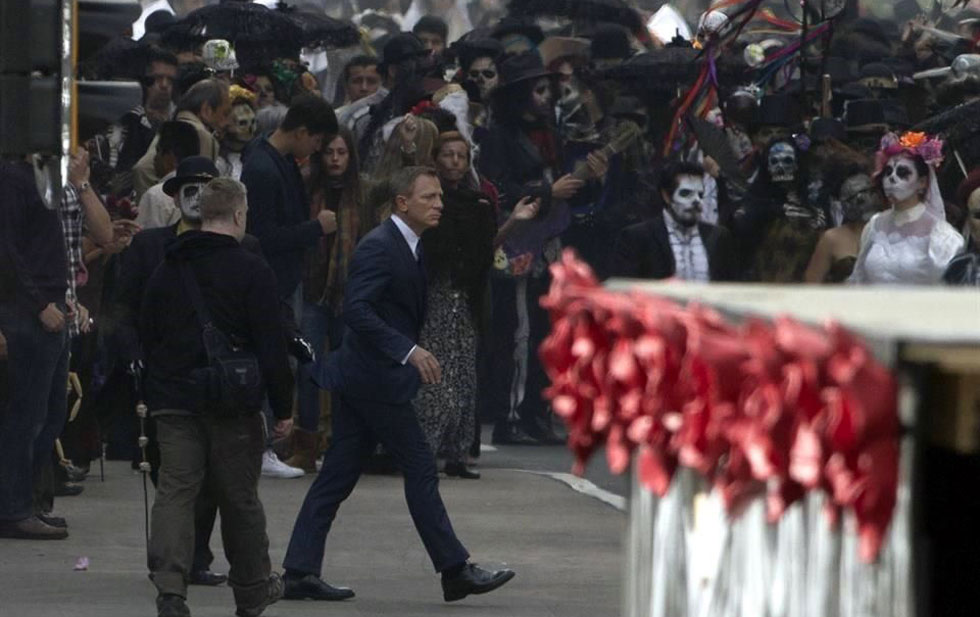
<point>467,50</point>
<point>822,129</point>
<point>192,169</point>
<point>513,25</point>
<point>399,48</point>
<point>522,67</point>
<point>864,116</point>
<point>779,110</point>
<point>611,42</point>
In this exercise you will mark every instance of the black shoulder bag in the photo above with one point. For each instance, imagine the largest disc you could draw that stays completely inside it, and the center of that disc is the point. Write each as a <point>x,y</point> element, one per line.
<point>232,383</point>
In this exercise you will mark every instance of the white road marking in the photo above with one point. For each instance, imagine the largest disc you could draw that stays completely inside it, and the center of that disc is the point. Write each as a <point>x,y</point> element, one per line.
<point>581,485</point>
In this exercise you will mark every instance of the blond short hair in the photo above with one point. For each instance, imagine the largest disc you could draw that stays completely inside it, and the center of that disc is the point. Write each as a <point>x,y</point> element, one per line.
<point>222,198</point>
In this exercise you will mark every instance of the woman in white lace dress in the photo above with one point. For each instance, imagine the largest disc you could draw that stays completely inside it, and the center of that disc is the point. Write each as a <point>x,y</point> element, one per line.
<point>910,243</point>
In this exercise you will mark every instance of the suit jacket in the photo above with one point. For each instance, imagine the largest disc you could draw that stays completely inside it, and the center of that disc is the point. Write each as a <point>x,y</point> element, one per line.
<point>384,308</point>
<point>643,251</point>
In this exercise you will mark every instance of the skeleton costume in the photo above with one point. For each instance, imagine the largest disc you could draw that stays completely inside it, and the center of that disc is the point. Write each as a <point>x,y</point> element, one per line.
<point>777,224</point>
<point>913,246</point>
<point>240,131</point>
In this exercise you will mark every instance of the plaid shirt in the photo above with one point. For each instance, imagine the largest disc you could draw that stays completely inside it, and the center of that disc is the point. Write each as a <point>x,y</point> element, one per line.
<point>73,225</point>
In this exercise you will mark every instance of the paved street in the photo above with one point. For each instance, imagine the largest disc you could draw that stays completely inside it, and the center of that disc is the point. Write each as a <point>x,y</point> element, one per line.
<point>564,545</point>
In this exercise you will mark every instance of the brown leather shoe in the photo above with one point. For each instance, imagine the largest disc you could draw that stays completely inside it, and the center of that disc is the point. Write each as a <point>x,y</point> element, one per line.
<point>31,528</point>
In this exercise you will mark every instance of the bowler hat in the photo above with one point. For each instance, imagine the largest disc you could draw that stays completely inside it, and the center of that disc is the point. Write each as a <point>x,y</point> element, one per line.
<point>192,169</point>
<point>467,50</point>
<point>522,67</point>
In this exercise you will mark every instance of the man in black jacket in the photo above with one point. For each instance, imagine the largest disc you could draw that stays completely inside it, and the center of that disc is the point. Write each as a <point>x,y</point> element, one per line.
<point>33,282</point>
<point>676,242</point>
<point>279,209</point>
<point>238,289</point>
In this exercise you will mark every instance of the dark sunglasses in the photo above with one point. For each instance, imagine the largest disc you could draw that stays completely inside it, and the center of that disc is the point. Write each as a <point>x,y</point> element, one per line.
<point>487,73</point>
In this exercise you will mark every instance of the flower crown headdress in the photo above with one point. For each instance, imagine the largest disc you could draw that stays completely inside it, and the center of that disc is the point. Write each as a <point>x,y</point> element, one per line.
<point>913,144</point>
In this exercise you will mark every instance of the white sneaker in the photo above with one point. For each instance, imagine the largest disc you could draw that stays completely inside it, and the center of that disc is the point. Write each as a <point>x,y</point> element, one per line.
<point>272,467</point>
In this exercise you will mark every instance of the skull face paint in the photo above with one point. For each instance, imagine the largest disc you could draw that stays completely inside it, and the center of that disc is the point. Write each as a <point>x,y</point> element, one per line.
<point>685,202</point>
<point>241,129</point>
<point>900,179</point>
<point>483,72</point>
<point>782,162</point>
<point>859,199</point>
<point>188,199</point>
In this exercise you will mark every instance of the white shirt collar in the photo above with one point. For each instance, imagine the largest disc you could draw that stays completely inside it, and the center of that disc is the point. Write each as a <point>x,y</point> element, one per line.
<point>912,214</point>
<point>410,236</point>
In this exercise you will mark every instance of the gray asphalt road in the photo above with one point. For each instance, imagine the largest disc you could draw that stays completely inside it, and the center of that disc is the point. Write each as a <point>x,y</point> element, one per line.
<point>566,548</point>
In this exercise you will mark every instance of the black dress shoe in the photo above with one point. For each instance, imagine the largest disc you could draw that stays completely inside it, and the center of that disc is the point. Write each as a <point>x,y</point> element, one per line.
<point>31,528</point>
<point>473,579</point>
<point>313,588</point>
<point>172,605</point>
<point>512,435</point>
<point>207,578</point>
<point>54,521</point>
<point>459,470</point>
<point>68,489</point>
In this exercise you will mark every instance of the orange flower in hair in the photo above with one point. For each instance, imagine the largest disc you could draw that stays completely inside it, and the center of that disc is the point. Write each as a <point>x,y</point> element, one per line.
<point>912,140</point>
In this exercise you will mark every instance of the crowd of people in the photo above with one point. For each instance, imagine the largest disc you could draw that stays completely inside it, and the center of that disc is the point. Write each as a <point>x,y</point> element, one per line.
<point>488,142</point>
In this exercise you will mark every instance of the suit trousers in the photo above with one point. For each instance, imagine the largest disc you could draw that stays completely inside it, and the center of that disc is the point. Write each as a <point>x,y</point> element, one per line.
<point>358,425</point>
<point>225,453</point>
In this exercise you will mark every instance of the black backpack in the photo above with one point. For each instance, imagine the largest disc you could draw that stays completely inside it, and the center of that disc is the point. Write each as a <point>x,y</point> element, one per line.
<point>232,384</point>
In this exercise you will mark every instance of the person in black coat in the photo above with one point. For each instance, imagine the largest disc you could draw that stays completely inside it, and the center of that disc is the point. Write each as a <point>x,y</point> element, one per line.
<point>676,242</point>
<point>279,208</point>
<point>376,374</point>
<point>198,443</point>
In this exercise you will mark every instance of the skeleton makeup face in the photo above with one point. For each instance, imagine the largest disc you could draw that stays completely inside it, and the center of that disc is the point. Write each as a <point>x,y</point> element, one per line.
<point>782,162</point>
<point>483,72</point>
<point>684,205</point>
<point>900,179</point>
<point>859,199</point>
<point>188,199</point>
<point>241,128</point>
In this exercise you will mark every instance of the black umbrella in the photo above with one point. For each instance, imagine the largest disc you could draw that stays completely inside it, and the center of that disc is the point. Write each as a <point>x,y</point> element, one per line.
<point>612,11</point>
<point>257,32</point>
<point>319,30</point>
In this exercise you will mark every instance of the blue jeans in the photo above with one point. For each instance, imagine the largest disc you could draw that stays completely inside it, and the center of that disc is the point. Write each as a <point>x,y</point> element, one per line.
<point>37,370</point>
<point>317,324</point>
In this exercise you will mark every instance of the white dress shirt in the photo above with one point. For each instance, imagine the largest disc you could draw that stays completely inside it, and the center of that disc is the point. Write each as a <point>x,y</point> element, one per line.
<point>690,256</point>
<point>413,242</point>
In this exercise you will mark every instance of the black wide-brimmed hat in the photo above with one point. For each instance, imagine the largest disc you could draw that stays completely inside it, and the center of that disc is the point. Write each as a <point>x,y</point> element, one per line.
<point>192,169</point>
<point>522,67</point>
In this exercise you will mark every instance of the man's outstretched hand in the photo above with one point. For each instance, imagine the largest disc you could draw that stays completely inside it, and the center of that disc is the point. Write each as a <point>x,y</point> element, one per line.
<point>427,366</point>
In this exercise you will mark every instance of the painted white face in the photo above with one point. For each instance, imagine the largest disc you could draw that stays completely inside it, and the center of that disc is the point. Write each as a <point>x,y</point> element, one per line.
<point>900,179</point>
<point>782,162</point>
<point>189,201</point>
<point>685,202</point>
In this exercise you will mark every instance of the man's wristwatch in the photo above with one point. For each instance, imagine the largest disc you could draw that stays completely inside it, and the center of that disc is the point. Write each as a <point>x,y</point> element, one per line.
<point>84,186</point>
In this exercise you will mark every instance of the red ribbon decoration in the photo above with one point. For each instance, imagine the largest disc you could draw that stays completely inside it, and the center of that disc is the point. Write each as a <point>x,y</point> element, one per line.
<point>757,409</point>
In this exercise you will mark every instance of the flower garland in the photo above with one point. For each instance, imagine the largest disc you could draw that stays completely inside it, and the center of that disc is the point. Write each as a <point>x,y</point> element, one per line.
<point>777,409</point>
<point>930,149</point>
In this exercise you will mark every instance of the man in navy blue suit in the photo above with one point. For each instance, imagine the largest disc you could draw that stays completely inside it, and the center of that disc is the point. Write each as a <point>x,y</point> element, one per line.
<point>376,373</point>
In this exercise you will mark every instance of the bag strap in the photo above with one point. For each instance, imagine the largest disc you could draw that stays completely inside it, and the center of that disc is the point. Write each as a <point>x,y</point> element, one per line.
<point>194,291</point>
